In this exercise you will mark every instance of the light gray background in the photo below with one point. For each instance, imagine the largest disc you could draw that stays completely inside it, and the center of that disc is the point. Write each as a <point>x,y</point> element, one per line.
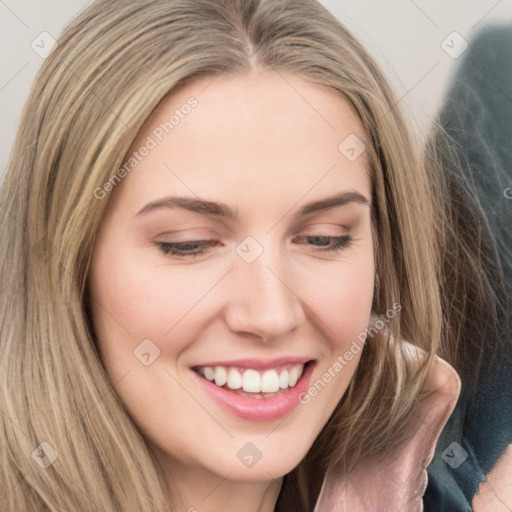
<point>405,36</point>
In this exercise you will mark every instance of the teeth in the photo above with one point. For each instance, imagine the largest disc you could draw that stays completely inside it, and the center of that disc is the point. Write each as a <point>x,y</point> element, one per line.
<point>221,375</point>
<point>283,379</point>
<point>253,381</point>
<point>209,373</point>
<point>270,382</point>
<point>293,376</point>
<point>234,379</point>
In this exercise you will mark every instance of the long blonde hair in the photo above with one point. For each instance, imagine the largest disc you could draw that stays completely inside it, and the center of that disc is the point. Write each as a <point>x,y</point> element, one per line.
<point>111,68</point>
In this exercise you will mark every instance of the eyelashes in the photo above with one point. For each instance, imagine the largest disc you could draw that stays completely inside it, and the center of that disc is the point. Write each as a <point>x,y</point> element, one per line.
<point>186,248</point>
<point>334,243</point>
<point>192,248</point>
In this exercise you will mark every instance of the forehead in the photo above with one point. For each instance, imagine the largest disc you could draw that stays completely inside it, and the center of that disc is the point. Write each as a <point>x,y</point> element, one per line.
<point>266,135</point>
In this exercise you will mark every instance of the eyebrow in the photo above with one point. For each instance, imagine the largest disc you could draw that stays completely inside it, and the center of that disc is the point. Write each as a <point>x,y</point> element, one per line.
<point>222,210</point>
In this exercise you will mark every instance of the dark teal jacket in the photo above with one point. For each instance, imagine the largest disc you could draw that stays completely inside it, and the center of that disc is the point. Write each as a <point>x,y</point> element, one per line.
<point>477,114</point>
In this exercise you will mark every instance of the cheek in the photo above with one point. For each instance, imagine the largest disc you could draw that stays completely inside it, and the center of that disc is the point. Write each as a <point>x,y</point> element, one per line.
<point>142,300</point>
<point>341,297</point>
<point>134,301</point>
<point>341,302</point>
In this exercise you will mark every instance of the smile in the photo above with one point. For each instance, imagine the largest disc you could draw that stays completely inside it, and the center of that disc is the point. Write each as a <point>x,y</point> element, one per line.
<point>253,381</point>
<point>255,394</point>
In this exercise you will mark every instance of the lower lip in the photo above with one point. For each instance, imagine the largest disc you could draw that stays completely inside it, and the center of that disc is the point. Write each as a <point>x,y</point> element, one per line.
<point>258,409</point>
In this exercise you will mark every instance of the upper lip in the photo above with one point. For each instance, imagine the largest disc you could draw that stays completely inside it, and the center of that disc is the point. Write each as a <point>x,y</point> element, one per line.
<point>258,364</point>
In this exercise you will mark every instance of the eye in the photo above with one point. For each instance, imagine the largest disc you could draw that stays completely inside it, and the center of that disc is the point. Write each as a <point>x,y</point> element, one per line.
<point>328,243</point>
<point>193,248</point>
<point>190,248</point>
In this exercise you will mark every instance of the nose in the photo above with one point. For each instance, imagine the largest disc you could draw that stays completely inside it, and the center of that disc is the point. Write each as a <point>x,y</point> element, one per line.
<point>263,299</point>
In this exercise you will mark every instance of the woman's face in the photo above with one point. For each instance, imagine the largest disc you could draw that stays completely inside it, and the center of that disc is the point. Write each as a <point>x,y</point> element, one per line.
<point>238,246</point>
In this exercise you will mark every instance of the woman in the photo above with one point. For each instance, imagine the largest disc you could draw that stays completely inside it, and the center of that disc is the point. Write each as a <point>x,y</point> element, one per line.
<point>218,237</point>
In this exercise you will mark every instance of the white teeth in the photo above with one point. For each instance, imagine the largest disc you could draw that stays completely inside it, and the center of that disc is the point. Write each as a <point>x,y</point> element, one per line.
<point>234,379</point>
<point>270,382</point>
<point>251,381</point>
<point>209,373</point>
<point>293,375</point>
<point>221,375</point>
<point>283,379</point>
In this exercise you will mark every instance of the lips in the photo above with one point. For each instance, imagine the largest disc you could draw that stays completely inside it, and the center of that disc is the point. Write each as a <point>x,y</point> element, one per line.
<point>256,390</point>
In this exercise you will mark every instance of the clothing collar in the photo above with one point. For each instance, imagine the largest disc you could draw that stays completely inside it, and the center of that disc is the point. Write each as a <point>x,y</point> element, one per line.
<point>397,481</point>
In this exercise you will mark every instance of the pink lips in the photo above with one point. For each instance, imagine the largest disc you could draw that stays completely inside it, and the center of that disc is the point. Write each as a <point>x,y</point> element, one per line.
<point>258,409</point>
